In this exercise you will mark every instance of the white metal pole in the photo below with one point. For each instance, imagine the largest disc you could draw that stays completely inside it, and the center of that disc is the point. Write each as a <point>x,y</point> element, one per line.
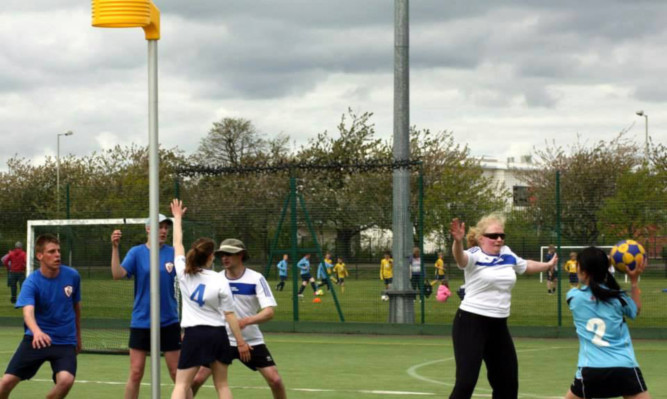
<point>154,206</point>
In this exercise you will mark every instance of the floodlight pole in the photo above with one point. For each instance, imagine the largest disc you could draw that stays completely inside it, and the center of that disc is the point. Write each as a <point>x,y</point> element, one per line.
<point>144,14</point>
<point>401,297</point>
<point>645,115</point>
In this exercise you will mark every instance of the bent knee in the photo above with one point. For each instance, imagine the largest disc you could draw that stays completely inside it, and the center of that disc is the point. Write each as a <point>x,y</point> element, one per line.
<point>64,379</point>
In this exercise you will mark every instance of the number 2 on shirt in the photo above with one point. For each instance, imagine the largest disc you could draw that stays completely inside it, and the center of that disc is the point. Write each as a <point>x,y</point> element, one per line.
<point>198,295</point>
<point>597,326</point>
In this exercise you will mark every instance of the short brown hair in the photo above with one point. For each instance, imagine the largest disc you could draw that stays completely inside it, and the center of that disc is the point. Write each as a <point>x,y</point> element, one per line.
<point>44,239</point>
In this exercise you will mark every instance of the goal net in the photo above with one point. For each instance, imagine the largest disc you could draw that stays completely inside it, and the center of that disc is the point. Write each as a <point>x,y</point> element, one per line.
<point>565,253</point>
<point>106,304</point>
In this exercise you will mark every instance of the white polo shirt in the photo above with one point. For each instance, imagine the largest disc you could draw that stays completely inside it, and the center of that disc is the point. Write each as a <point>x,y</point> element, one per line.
<point>489,280</point>
<point>251,294</point>
<point>205,296</point>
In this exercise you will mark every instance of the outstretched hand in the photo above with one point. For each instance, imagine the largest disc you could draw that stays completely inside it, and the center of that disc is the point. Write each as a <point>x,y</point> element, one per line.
<point>458,229</point>
<point>177,208</point>
<point>553,262</point>
<point>634,274</point>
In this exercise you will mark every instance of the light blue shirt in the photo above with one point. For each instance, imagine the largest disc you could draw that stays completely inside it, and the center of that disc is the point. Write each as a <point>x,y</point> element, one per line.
<point>604,338</point>
<point>304,266</point>
<point>282,268</point>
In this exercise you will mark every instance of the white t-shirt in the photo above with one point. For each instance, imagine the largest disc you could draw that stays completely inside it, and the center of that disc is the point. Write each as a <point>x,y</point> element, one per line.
<point>489,281</point>
<point>251,294</point>
<point>205,296</point>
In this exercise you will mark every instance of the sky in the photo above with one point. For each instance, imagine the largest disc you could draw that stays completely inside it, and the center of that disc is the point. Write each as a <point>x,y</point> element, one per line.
<point>505,77</point>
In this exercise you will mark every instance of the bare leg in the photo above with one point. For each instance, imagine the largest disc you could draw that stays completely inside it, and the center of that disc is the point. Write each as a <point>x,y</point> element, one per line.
<point>275,382</point>
<point>7,384</point>
<point>219,371</point>
<point>643,395</point>
<point>64,382</point>
<point>182,383</point>
<point>137,365</point>
<point>200,379</point>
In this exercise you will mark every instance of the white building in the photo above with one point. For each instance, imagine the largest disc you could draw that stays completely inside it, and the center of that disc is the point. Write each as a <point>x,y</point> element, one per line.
<point>505,173</point>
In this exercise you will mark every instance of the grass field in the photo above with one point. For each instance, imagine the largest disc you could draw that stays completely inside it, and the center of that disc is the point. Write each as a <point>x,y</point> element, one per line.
<point>318,366</point>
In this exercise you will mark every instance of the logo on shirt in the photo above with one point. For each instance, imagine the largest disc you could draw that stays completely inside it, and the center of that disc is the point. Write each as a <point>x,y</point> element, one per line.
<point>68,291</point>
<point>169,266</point>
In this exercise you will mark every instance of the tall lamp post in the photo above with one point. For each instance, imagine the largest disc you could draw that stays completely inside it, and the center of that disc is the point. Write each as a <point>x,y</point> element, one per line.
<point>642,113</point>
<point>67,133</point>
<point>144,14</point>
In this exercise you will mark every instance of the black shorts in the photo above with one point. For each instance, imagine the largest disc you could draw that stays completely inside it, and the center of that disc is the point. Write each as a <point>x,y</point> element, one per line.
<point>389,280</point>
<point>202,345</point>
<point>573,278</point>
<point>283,278</point>
<point>608,382</point>
<point>439,277</point>
<point>306,277</point>
<point>341,280</point>
<point>260,357</point>
<point>170,338</point>
<point>27,360</point>
<point>551,275</point>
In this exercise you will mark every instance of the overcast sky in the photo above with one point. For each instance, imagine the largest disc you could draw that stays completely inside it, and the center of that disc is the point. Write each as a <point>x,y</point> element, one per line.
<point>503,76</point>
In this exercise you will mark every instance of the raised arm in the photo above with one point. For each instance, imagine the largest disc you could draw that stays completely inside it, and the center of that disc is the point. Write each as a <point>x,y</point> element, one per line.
<point>635,292</point>
<point>177,210</point>
<point>536,267</point>
<point>116,270</point>
<point>458,230</point>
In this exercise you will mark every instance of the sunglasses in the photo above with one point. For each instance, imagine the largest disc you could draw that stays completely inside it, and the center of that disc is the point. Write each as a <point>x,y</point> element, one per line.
<point>495,236</point>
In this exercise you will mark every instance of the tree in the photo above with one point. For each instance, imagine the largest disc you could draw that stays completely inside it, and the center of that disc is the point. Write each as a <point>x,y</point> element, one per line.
<point>230,142</point>
<point>588,175</point>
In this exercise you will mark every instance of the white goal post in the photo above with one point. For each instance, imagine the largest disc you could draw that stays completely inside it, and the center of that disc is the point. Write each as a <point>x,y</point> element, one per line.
<point>30,240</point>
<point>567,248</point>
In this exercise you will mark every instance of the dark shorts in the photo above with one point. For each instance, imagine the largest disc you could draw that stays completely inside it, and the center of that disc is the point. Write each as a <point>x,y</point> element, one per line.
<point>26,360</point>
<point>389,280</point>
<point>260,357</point>
<point>441,277</point>
<point>551,275</point>
<point>573,278</point>
<point>170,338</point>
<point>306,277</point>
<point>283,278</point>
<point>341,280</point>
<point>203,345</point>
<point>15,277</point>
<point>608,382</point>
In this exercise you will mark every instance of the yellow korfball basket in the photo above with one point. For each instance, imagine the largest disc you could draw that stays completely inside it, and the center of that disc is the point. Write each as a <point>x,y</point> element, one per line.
<point>128,14</point>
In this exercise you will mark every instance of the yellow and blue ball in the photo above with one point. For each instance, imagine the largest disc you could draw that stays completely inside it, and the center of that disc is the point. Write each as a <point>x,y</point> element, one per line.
<point>626,255</point>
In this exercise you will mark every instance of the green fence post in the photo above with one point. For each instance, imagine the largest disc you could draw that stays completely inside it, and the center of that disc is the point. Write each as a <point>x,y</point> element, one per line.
<point>295,253</point>
<point>177,188</point>
<point>558,242</point>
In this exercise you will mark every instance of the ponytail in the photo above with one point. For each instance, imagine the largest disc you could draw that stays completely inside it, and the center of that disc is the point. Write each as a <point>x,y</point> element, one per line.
<point>595,263</point>
<point>198,255</point>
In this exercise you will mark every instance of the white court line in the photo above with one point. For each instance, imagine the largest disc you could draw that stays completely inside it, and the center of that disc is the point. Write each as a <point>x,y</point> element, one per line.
<point>361,391</point>
<point>412,372</point>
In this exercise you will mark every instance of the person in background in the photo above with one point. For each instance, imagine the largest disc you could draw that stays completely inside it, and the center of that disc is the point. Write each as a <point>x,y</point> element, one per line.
<point>440,276</point>
<point>571,268</point>
<point>50,300</point>
<point>304,270</point>
<point>480,332</point>
<point>416,276</point>
<point>552,274</point>
<point>16,263</point>
<point>386,273</point>
<point>282,272</point>
<point>324,271</point>
<point>341,272</point>
<point>607,366</point>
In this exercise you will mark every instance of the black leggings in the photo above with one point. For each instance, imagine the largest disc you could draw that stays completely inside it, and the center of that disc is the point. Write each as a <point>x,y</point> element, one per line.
<point>478,338</point>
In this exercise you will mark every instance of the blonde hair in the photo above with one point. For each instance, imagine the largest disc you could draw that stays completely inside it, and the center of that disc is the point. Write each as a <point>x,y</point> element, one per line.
<point>487,221</point>
<point>471,238</point>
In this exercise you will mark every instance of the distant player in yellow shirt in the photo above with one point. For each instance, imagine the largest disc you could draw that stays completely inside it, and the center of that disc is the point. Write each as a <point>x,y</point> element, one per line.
<point>440,276</point>
<point>571,269</point>
<point>386,272</point>
<point>341,272</point>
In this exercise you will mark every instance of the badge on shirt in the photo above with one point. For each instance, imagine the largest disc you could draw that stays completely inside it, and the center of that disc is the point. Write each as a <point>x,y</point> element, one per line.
<point>68,290</point>
<point>169,266</point>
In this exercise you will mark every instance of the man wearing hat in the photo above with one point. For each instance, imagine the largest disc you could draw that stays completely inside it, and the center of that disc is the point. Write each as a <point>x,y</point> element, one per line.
<point>16,269</point>
<point>137,264</point>
<point>253,305</point>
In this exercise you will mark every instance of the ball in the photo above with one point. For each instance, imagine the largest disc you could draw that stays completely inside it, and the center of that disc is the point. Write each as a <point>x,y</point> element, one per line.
<point>319,292</point>
<point>626,255</point>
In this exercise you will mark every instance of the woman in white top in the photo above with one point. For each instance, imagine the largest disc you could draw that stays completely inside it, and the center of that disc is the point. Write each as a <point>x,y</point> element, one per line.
<point>480,330</point>
<point>206,298</point>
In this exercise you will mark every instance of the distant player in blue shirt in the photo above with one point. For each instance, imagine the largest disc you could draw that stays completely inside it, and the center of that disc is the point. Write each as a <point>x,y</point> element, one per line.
<point>304,270</point>
<point>607,366</point>
<point>324,270</point>
<point>50,299</point>
<point>137,264</point>
<point>282,273</point>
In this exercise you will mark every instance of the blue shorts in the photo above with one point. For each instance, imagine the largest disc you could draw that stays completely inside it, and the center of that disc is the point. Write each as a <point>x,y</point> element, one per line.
<point>27,360</point>
<point>388,281</point>
<point>306,277</point>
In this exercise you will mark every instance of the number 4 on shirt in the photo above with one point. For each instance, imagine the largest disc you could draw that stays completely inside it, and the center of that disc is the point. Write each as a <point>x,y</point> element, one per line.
<point>198,295</point>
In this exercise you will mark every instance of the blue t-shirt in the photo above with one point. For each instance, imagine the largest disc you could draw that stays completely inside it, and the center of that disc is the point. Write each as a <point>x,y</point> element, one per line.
<point>53,299</point>
<point>304,266</point>
<point>137,264</point>
<point>604,338</point>
<point>282,268</point>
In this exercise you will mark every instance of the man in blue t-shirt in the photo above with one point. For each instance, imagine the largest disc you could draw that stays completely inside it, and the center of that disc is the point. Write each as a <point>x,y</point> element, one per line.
<point>304,270</point>
<point>50,299</point>
<point>137,264</point>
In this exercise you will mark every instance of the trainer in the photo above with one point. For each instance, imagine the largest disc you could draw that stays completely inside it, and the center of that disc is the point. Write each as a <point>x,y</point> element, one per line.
<point>137,264</point>
<point>50,300</point>
<point>253,304</point>
<point>480,330</point>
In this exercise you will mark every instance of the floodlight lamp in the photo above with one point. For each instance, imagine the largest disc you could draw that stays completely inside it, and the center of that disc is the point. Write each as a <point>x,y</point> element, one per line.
<point>127,14</point>
<point>640,113</point>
